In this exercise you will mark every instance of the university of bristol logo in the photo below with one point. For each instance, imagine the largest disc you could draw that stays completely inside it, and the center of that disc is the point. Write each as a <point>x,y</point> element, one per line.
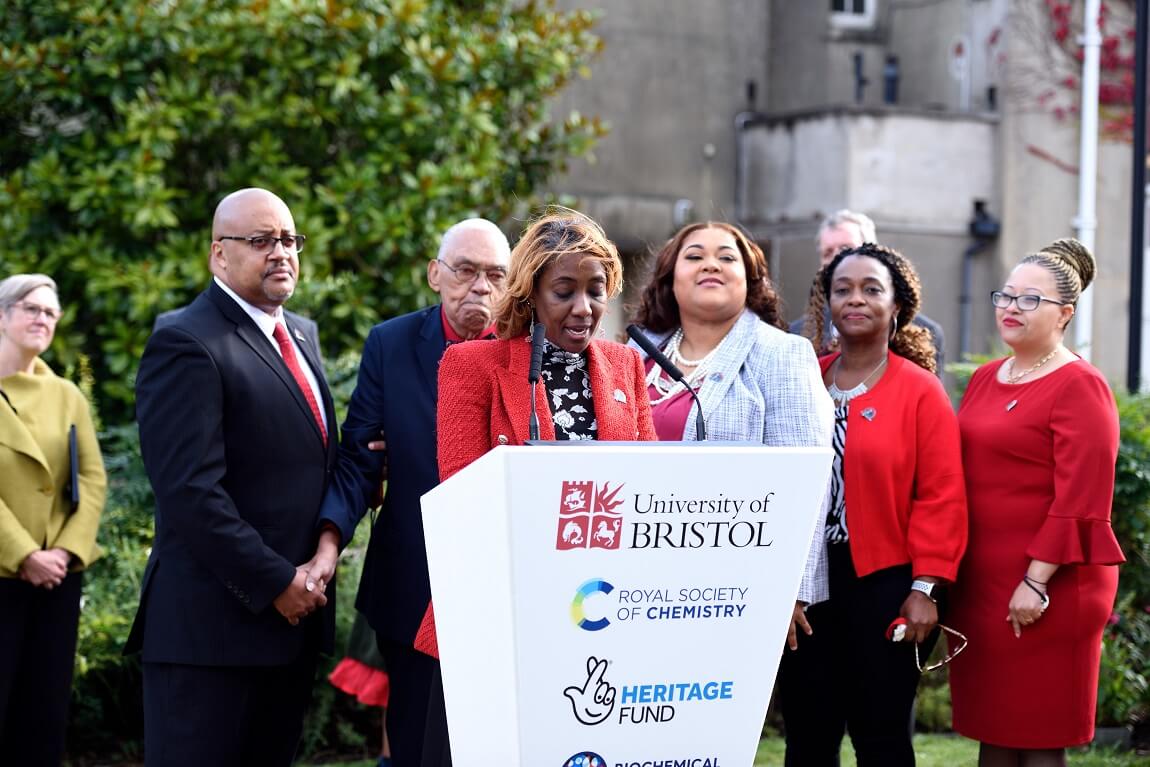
<point>587,516</point>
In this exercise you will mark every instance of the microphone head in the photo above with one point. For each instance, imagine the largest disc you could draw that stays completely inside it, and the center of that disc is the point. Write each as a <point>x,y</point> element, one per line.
<point>653,352</point>
<point>538,333</point>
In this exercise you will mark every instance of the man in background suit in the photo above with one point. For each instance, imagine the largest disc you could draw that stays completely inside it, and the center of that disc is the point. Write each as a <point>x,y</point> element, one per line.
<point>846,229</point>
<point>396,394</point>
<point>234,416</point>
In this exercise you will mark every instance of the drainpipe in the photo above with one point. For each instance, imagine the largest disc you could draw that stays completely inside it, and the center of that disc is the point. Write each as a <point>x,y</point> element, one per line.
<point>1085,223</point>
<point>984,229</point>
<point>1138,208</point>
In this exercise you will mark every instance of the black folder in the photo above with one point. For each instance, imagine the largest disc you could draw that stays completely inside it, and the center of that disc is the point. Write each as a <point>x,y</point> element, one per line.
<point>74,460</point>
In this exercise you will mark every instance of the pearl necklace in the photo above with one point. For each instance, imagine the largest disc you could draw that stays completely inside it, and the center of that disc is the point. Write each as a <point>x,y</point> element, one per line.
<point>841,396</point>
<point>667,388</point>
<point>1011,378</point>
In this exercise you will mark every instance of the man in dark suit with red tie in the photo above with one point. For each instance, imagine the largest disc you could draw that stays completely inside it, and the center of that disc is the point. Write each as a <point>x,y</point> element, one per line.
<point>396,394</point>
<point>236,425</point>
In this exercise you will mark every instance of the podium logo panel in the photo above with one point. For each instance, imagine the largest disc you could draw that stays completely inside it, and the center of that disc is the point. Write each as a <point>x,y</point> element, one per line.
<point>587,516</point>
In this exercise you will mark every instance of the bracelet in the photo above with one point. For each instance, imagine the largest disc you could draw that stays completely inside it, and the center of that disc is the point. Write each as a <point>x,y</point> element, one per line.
<point>1035,580</point>
<point>1042,594</point>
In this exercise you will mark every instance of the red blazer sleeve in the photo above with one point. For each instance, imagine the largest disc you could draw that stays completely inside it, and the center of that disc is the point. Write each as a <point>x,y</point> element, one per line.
<point>937,531</point>
<point>1084,422</point>
<point>463,412</point>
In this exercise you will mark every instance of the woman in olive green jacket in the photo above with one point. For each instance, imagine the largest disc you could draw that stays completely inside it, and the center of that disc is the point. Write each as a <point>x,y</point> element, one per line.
<point>45,540</point>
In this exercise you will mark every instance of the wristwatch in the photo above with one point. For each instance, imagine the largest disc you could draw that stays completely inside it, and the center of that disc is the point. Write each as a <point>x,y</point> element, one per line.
<point>931,590</point>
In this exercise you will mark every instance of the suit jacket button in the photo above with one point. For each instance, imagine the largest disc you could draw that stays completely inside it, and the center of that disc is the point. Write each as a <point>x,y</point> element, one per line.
<point>502,439</point>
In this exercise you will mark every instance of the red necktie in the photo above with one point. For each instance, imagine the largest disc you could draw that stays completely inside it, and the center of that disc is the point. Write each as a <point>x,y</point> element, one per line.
<point>292,362</point>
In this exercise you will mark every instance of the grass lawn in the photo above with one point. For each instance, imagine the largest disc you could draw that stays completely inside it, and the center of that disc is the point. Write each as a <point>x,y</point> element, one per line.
<point>931,751</point>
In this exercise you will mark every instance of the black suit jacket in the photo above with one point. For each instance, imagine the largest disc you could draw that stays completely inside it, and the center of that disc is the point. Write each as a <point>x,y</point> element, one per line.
<point>396,392</point>
<point>239,468</point>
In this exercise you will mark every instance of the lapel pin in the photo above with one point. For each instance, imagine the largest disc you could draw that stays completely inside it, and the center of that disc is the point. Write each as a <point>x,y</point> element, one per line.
<point>298,335</point>
<point>620,396</point>
<point>869,413</point>
<point>1010,405</point>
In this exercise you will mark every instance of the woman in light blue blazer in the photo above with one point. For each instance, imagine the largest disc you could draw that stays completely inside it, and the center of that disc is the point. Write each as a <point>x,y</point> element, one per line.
<point>711,308</point>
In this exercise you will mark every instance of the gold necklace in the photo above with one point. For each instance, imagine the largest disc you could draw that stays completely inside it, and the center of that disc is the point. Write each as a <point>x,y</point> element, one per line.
<point>1013,379</point>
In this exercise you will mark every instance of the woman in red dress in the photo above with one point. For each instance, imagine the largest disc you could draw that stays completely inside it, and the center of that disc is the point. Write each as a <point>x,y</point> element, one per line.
<point>1039,443</point>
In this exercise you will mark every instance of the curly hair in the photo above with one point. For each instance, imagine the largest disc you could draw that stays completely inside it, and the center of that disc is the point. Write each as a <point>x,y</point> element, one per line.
<point>1070,262</point>
<point>658,309</point>
<point>560,232</point>
<point>908,340</point>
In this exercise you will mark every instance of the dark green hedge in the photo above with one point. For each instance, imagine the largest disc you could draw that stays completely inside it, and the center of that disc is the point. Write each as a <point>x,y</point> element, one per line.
<point>380,122</point>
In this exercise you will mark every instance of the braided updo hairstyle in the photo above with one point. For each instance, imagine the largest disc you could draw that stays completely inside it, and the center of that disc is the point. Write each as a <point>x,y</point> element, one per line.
<point>909,340</point>
<point>1070,263</point>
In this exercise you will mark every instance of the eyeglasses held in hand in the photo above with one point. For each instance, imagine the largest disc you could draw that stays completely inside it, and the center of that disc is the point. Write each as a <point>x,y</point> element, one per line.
<point>1027,302</point>
<point>467,274</point>
<point>897,630</point>
<point>32,311</point>
<point>265,243</point>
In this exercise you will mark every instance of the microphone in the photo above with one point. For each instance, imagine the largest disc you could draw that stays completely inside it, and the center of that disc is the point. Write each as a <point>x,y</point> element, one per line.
<point>661,360</point>
<point>538,332</point>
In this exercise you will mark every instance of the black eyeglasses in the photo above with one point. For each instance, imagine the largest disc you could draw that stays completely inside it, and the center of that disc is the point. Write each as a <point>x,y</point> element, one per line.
<point>467,274</point>
<point>1027,302</point>
<point>265,243</point>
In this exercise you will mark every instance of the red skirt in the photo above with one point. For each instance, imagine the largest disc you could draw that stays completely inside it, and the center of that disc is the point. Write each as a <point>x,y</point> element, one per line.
<point>370,686</point>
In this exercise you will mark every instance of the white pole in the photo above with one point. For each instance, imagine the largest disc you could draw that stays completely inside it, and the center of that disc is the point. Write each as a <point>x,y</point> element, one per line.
<point>1085,223</point>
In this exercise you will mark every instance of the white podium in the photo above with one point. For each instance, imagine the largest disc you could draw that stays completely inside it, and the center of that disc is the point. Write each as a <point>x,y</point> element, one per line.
<point>604,605</point>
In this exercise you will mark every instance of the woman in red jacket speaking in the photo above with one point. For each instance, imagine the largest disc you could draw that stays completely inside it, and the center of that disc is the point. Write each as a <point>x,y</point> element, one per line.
<point>563,271</point>
<point>896,525</point>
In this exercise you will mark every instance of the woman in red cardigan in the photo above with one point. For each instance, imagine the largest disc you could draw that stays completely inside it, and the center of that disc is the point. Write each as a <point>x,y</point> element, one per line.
<point>896,524</point>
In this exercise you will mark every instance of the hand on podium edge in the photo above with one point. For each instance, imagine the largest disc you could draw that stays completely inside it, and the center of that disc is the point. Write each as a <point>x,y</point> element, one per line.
<point>297,601</point>
<point>798,620</point>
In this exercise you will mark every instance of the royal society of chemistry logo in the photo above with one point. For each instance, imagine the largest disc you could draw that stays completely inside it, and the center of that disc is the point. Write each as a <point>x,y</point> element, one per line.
<point>586,590</point>
<point>597,603</point>
<point>588,518</point>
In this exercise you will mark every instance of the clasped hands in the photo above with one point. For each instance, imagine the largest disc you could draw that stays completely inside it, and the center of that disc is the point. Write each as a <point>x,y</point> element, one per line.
<point>307,591</point>
<point>45,569</point>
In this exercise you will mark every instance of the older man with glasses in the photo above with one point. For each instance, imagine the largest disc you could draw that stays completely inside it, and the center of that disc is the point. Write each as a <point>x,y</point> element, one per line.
<point>395,394</point>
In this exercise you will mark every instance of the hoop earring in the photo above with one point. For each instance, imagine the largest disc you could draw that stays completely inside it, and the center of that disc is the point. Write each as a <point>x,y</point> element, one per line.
<point>893,327</point>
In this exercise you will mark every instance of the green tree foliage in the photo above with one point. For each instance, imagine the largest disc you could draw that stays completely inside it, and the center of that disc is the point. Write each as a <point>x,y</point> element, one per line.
<point>380,122</point>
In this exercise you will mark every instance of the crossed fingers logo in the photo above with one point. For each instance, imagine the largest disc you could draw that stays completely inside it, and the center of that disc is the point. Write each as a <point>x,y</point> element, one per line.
<point>593,702</point>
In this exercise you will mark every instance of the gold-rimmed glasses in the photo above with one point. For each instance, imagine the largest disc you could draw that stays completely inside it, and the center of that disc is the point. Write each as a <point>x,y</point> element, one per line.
<point>948,657</point>
<point>467,273</point>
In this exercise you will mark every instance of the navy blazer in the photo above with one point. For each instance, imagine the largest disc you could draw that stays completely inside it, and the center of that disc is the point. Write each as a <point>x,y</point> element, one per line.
<point>239,468</point>
<point>394,393</point>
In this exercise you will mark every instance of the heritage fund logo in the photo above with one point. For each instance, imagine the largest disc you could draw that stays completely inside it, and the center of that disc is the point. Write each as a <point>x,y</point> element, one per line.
<point>593,701</point>
<point>588,518</point>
